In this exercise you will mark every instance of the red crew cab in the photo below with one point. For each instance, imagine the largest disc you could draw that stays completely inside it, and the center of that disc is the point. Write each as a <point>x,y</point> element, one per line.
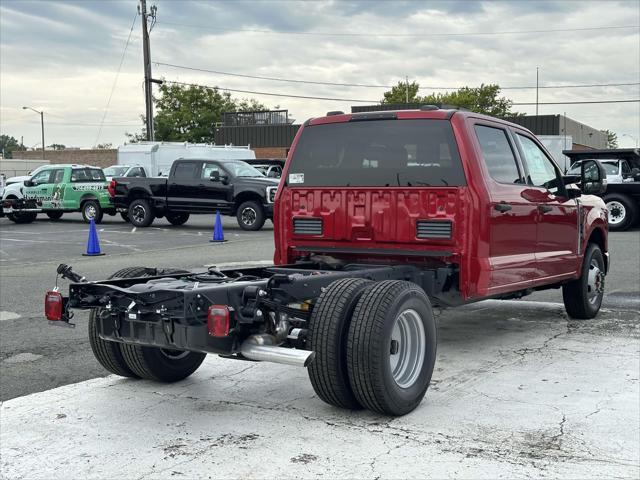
<point>378,216</point>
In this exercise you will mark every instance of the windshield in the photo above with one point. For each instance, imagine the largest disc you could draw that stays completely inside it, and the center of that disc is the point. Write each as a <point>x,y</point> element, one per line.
<point>391,153</point>
<point>611,168</point>
<point>115,171</point>
<point>242,169</point>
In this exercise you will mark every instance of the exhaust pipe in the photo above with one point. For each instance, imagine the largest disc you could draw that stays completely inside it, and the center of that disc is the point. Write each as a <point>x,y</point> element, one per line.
<point>262,348</point>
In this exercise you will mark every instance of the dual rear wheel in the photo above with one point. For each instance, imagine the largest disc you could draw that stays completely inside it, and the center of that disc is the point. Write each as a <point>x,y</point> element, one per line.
<point>375,345</point>
<point>137,361</point>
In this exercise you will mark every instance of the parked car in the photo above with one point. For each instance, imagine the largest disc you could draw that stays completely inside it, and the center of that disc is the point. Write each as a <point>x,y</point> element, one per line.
<point>622,195</point>
<point>58,189</point>
<point>124,171</point>
<point>379,216</point>
<point>195,186</point>
<point>271,168</point>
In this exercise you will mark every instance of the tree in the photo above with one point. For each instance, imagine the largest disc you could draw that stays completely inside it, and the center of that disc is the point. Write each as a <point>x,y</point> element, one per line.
<point>612,138</point>
<point>483,99</point>
<point>104,146</point>
<point>57,146</point>
<point>188,113</point>
<point>8,145</point>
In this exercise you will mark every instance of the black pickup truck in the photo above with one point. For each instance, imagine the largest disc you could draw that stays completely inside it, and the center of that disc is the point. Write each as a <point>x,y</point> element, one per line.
<point>231,187</point>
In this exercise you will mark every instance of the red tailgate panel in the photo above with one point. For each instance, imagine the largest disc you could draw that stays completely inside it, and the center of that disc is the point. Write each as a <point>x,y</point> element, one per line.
<point>375,217</point>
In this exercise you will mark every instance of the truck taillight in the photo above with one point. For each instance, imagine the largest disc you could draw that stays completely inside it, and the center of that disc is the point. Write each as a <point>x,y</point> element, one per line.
<point>53,304</point>
<point>218,320</point>
<point>112,188</point>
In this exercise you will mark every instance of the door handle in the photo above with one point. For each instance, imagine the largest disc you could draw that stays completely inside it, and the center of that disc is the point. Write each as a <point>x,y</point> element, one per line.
<point>502,207</point>
<point>545,208</point>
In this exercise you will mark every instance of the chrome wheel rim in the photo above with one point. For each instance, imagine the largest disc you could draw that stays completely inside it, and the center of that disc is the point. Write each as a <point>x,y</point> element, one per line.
<point>595,282</point>
<point>407,349</point>
<point>138,213</point>
<point>248,216</point>
<point>90,211</point>
<point>617,212</point>
<point>174,354</point>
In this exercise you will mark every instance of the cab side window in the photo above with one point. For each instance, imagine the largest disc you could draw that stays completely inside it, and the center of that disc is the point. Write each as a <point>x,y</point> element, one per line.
<point>41,177</point>
<point>542,172</point>
<point>57,176</point>
<point>185,171</point>
<point>210,168</point>
<point>498,155</point>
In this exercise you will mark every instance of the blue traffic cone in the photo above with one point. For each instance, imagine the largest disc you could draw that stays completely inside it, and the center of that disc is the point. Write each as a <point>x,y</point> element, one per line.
<point>93,244</point>
<point>218,234</point>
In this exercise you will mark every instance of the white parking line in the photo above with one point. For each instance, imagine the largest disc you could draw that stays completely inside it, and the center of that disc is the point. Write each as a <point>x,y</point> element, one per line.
<point>256,263</point>
<point>22,240</point>
<point>8,316</point>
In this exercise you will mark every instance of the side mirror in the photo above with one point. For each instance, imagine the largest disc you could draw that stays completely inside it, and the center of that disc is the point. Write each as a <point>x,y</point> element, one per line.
<point>214,176</point>
<point>635,173</point>
<point>29,183</point>
<point>224,179</point>
<point>593,178</point>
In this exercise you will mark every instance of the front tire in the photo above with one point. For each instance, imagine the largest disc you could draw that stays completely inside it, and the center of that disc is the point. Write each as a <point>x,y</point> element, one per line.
<point>250,216</point>
<point>161,364</point>
<point>55,215</point>
<point>391,348</point>
<point>583,297</point>
<point>177,218</point>
<point>623,212</point>
<point>328,327</point>
<point>91,210</point>
<point>141,213</point>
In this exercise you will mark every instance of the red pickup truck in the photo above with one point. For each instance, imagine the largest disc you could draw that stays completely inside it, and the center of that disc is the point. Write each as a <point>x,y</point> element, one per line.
<point>378,217</point>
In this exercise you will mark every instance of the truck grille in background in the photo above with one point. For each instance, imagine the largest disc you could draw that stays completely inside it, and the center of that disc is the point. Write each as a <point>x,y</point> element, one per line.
<point>433,229</point>
<point>307,226</point>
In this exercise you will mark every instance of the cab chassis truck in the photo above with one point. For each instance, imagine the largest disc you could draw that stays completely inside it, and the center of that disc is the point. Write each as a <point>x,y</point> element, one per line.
<point>379,216</point>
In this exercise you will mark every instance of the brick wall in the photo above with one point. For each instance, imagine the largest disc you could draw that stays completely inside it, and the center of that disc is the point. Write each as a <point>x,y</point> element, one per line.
<point>98,158</point>
<point>271,152</point>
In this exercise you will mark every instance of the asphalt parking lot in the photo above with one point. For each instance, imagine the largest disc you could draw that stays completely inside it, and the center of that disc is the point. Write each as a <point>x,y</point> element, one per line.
<point>519,389</point>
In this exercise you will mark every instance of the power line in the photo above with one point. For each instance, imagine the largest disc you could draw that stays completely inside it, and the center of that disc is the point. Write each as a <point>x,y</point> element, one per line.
<point>400,35</point>
<point>340,84</point>
<point>289,80</point>
<point>272,94</point>
<point>115,80</point>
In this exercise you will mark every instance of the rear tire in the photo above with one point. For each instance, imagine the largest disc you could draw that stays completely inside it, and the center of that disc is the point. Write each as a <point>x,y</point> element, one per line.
<point>141,213</point>
<point>391,348</point>
<point>55,215</point>
<point>177,218</point>
<point>623,211</point>
<point>328,327</point>
<point>250,216</point>
<point>583,297</point>
<point>161,365</point>
<point>91,209</point>
<point>109,354</point>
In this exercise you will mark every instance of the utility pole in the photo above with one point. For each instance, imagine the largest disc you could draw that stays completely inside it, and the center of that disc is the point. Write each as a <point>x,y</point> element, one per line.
<point>148,93</point>
<point>537,90</point>
<point>406,96</point>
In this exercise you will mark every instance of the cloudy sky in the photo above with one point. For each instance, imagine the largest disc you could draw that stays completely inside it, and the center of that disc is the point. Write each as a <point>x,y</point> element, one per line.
<point>62,57</point>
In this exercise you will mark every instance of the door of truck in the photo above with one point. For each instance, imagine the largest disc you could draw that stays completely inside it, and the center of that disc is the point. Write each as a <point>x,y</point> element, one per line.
<point>557,225</point>
<point>41,188</point>
<point>183,186</point>
<point>512,217</point>
<point>214,194</point>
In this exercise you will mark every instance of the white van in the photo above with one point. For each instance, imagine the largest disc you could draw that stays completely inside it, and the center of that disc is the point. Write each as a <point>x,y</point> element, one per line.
<point>157,157</point>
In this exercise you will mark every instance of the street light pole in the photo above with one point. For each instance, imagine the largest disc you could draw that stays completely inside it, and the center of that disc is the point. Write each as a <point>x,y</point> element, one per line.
<point>41,125</point>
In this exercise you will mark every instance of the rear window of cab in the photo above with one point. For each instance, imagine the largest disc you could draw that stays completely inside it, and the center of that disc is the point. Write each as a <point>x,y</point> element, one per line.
<point>383,153</point>
<point>87,175</point>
